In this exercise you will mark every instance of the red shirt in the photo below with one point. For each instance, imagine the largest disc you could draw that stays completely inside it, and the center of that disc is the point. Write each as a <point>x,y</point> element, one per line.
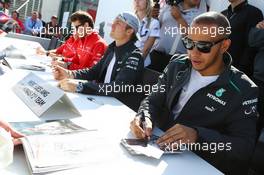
<point>84,52</point>
<point>67,50</point>
<point>21,25</point>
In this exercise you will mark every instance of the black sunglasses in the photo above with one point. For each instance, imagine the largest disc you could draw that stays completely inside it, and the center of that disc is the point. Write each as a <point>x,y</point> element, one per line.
<point>202,46</point>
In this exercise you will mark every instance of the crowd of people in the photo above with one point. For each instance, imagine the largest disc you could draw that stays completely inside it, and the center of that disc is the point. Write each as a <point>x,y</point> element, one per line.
<point>211,88</point>
<point>33,25</point>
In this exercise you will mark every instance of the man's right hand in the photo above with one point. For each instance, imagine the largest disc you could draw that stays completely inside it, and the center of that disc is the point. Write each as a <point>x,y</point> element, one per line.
<point>59,63</point>
<point>15,134</point>
<point>56,57</point>
<point>138,131</point>
<point>40,51</point>
<point>260,25</point>
<point>61,73</point>
<point>34,33</point>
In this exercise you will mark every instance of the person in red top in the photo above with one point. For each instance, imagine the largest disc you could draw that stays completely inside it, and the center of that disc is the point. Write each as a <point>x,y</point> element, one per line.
<point>19,26</point>
<point>67,49</point>
<point>89,50</point>
<point>89,46</point>
<point>85,48</point>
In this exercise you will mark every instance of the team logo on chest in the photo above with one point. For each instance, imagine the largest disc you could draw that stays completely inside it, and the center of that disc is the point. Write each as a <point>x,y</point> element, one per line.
<point>219,92</point>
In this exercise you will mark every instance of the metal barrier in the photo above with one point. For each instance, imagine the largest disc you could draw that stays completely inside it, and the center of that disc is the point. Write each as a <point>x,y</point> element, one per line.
<point>44,42</point>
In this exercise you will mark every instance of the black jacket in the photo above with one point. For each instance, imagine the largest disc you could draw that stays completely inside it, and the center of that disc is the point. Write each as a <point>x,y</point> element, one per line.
<point>256,39</point>
<point>242,19</point>
<point>127,70</point>
<point>228,117</point>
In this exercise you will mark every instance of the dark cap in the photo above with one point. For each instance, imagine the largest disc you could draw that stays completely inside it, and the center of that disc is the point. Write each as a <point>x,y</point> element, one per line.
<point>130,19</point>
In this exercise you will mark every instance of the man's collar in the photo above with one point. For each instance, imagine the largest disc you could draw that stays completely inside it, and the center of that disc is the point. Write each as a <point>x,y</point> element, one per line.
<point>238,7</point>
<point>127,44</point>
<point>145,19</point>
<point>87,36</point>
<point>224,76</point>
<point>120,49</point>
<point>124,46</point>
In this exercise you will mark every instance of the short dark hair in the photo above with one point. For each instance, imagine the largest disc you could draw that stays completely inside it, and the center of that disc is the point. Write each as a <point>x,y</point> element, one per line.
<point>83,17</point>
<point>39,15</point>
<point>35,12</point>
<point>16,13</point>
<point>134,35</point>
<point>213,18</point>
<point>54,17</point>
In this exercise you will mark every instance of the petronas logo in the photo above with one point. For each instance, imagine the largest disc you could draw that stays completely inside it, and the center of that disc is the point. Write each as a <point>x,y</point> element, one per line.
<point>220,92</point>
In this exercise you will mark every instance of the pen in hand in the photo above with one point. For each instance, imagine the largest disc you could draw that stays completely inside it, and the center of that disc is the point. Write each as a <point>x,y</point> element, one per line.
<point>143,126</point>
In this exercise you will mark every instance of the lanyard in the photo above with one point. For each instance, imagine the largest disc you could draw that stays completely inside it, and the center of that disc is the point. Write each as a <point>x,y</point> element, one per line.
<point>141,29</point>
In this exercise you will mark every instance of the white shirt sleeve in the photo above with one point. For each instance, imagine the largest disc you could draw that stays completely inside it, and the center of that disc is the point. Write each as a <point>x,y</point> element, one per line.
<point>154,28</point>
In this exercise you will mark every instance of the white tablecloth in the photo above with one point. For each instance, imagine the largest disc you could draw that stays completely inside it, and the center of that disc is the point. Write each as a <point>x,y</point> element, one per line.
<point>112,118</point>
